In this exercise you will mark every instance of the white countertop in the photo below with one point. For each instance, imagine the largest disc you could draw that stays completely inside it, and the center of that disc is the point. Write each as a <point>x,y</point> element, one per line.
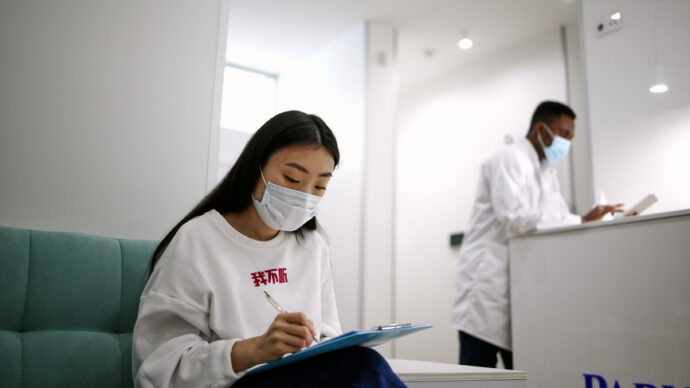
<point>617,222</point>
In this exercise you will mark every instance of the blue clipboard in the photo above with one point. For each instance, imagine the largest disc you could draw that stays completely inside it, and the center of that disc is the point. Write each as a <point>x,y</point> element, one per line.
<point>368,338</point>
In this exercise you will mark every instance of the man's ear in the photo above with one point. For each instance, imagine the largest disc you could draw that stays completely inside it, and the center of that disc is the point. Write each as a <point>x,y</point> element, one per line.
<point>535,128</point>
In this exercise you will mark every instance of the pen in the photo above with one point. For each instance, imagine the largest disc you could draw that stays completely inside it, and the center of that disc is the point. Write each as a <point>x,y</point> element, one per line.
<point>280,308</point>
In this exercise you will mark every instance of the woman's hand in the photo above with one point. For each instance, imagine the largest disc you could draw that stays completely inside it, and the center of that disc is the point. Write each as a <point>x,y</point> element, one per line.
<point>289,333</point>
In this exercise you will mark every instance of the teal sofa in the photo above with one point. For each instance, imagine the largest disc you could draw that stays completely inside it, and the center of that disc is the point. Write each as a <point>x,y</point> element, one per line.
<point>68,303</point>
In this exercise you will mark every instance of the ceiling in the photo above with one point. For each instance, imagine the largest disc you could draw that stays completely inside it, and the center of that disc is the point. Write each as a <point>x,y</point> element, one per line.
<point>270,35</point>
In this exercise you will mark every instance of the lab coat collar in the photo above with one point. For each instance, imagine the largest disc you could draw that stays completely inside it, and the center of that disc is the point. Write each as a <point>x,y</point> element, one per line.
<point>540,166</point>
<point>530,151</point>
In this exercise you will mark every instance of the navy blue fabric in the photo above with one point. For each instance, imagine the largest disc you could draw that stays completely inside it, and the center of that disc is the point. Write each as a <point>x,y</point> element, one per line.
<point>356,366</point>
<point>476,352</point>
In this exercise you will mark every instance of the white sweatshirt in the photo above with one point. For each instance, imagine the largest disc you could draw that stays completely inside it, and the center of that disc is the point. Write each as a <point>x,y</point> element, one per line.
<point>206,293</point>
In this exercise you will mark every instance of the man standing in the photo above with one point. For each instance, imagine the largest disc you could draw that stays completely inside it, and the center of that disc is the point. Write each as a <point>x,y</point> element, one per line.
<point>518,192</point>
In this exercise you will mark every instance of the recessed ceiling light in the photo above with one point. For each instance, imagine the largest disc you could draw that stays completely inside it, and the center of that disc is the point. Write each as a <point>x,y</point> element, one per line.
<point>659,88</point>
<point>465,43</point>
<point>616,16</point>
<point>658,80</point>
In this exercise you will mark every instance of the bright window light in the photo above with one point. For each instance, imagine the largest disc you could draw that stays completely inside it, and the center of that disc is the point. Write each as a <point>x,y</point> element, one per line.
<point>249,99</point>
<point>616,16</point>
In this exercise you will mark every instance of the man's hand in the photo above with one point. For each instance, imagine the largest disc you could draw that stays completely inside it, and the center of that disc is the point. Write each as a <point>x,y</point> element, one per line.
<point>598,212</point>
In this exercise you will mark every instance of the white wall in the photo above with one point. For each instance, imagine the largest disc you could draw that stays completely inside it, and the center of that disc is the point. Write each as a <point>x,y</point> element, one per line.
<point>331,84</point>
<point>640,141</point>
<point>105,113</point>
<point>447,128</point>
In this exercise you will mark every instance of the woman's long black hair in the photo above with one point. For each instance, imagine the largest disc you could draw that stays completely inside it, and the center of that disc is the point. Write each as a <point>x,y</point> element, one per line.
<point>234,192</point>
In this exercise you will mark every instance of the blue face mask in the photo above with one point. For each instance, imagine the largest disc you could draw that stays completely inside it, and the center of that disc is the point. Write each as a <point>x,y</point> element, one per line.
<point>558,149</point>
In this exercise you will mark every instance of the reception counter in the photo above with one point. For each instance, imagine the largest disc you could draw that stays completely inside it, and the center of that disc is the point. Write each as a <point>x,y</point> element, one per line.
<point>604,304</point>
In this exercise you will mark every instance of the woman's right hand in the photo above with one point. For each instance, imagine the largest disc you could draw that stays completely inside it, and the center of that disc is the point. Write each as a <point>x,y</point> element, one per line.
<point>288,333</point>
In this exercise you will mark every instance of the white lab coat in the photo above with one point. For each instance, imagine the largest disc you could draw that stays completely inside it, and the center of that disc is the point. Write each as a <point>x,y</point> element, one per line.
<point>516,194</point>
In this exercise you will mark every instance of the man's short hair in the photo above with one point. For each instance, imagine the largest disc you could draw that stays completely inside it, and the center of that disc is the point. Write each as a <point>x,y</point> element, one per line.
<point>548,112</point>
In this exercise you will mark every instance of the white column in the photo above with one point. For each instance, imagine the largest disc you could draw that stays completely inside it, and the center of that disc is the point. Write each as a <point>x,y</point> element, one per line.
<point>379,197</point>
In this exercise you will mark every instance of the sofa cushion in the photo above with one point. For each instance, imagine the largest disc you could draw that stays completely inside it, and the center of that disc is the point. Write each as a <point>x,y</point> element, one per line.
<point>69,302</point>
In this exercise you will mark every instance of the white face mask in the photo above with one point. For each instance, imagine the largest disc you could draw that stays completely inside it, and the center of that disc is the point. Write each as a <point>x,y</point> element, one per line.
<point>285,209</point>
<point>558,149</point>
